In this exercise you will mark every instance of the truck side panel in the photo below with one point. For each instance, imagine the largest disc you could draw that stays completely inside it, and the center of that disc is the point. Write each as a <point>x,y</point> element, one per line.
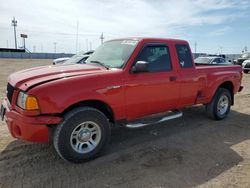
<point>211,77</point>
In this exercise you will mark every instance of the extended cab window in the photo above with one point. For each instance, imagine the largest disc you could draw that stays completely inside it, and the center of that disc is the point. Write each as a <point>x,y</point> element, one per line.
<point>184,55</point>
<point>157,56</point>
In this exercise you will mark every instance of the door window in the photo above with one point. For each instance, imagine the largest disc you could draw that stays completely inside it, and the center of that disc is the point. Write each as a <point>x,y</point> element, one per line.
<point>157,56</point>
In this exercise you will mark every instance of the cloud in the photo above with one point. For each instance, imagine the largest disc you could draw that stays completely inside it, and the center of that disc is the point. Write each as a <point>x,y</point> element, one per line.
<point>221,31</point>
<point>56,20</point>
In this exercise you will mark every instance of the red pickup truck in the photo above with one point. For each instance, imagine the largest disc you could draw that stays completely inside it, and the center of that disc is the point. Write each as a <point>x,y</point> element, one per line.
<point>132,82</point>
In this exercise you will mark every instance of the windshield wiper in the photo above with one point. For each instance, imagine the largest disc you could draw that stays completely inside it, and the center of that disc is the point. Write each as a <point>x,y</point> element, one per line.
<point>100,63</point>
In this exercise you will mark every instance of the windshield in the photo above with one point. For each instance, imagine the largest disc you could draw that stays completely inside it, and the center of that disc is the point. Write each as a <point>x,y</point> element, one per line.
<point>245,55</point>
<point>113,54</point>
<point>202,60</point>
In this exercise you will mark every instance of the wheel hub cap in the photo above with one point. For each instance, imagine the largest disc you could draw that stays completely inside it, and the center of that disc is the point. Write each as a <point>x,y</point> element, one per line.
<point>84,135</point>
<point>223,104</point>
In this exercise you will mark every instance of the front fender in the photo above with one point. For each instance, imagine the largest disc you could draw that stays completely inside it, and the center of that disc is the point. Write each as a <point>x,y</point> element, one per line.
<point>54,97</point>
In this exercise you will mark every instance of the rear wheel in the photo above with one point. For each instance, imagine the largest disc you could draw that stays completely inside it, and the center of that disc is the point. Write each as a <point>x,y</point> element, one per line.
<point>220,105</point>
<point>246,71</point>
<point>82,135</point>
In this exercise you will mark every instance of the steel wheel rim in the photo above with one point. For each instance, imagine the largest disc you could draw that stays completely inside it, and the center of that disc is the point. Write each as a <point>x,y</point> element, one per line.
<point>223,105</point>
<point>85,137</point>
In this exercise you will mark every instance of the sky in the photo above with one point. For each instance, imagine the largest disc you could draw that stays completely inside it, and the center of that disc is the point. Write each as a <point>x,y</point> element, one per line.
<point>215,26</point>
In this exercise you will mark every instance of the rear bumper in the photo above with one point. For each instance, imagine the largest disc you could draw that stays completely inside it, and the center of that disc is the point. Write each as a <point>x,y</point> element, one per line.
<point>29,128</point>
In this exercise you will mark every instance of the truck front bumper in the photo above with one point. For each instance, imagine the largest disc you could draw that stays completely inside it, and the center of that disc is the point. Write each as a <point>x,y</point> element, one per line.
<point>29,128</point>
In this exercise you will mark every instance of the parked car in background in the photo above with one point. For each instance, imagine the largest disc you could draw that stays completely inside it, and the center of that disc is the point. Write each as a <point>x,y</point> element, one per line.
<point>246,66</point>
<point>211,60</point>
<point>60,60</point>
<point>242,58</point>
<point>75,59</point>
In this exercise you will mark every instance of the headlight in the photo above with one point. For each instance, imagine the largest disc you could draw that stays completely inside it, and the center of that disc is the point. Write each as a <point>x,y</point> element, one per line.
<point>27,102</point>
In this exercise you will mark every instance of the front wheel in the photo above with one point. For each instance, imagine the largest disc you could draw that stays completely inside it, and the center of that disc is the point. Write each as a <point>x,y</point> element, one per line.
<point>81,135</point>
<point>220,105</point>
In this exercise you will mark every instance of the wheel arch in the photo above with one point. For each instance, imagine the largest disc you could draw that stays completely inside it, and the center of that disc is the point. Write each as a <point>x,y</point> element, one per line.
<point>97,104</point>
<point>230,87</point>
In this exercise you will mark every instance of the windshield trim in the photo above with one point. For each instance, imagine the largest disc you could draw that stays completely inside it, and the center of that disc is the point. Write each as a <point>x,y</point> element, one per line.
<point>126,61</point>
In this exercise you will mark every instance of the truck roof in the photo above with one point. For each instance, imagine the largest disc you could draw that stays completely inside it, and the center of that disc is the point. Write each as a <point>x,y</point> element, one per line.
<point>152,39</point>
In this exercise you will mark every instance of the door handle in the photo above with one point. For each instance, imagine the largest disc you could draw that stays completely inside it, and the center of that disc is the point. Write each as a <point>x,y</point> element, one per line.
<point>172,78</point>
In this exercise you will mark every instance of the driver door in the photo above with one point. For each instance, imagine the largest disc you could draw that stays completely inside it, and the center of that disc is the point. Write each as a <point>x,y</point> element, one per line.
<point>153,91</point>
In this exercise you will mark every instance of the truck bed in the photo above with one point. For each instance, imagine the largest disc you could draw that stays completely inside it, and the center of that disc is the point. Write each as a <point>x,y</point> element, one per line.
<point>210,77</point>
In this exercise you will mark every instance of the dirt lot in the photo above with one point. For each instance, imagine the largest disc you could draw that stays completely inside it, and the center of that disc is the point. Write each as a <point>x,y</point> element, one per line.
<point>188,152</point>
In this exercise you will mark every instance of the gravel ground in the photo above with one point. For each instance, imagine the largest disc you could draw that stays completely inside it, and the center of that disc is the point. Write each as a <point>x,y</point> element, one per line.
<point>192,151</point>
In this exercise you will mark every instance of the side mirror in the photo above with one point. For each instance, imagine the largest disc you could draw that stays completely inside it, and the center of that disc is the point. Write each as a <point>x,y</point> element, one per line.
<point>140,66</point>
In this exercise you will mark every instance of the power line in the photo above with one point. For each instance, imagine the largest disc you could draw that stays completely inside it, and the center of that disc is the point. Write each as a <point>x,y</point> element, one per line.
<point>60,33</point>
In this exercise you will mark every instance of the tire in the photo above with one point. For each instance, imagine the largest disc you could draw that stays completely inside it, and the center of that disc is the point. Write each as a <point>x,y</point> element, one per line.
<point>246,71</point>
<point>220,105</point>
<point>82,135</point>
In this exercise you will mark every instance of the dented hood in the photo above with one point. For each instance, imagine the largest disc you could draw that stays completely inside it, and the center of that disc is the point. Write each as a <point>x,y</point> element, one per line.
<point>27,78</point>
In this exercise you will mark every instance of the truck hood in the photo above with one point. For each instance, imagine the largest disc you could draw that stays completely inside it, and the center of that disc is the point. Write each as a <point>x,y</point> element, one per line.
<point>27,78</point>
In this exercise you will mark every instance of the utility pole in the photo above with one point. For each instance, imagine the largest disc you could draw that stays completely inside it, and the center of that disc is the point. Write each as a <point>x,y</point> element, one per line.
<point>245,48</point>
<point>7,44</point>
<point>90,45</point>
<point>102,38</point>
<point>220,49</point>
<point>87,45</point>
<point>55,47</point>
<point>77,36</point>
<point>14,24</point>
<point>195,46</point>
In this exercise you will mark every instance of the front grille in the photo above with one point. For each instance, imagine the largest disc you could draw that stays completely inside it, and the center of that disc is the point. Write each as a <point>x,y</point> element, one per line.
<point>10,91</point>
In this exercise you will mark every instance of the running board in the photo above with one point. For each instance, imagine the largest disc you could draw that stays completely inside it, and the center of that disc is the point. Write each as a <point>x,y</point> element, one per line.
<point>150,121</point>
